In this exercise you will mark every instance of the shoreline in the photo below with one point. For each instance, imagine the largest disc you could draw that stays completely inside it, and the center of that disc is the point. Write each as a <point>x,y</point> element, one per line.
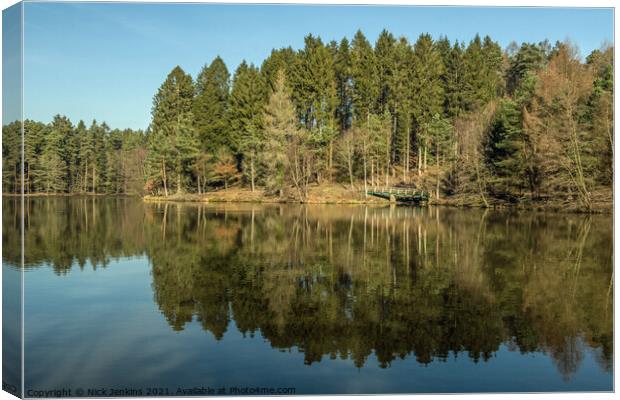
<point>317,195</point>
<point>339,195</point>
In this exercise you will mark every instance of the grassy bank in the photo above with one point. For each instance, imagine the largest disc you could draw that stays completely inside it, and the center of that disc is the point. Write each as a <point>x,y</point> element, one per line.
<point>340,194</point>
<point>323,194</point>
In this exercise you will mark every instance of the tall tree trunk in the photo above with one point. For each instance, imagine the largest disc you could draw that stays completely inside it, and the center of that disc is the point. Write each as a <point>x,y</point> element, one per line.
<point>372,173</point>
<point>252,170</point>
<point>179,181</point>
<point>94,180</point>
<point>365,172</point>
<point>438,172</point>
<point>408,152</point>
<point>365,154</point>
<point>350,164</point>
<point>331,160</point>
<point>164,178</point>
<point>85,183</point>
<point>419,161</point>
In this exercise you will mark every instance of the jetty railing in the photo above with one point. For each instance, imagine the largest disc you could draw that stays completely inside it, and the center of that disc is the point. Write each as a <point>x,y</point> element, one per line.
<point>401,195</point>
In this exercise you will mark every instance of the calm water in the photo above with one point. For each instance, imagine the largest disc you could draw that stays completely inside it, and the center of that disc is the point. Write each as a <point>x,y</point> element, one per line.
<point>324,299</point>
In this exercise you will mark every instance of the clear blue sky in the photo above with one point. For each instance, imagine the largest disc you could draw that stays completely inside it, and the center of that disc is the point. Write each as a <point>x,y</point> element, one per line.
<point>106,61</point>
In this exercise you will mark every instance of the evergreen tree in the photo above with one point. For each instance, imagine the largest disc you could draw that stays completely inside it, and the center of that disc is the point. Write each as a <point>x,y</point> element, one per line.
<point>53,174</point>
<point>342,70</point>
<point>279,59</point>
<point>526,61</point>
<point>81,136</point>
<point>173,144</point>
<point>483,72</point>
<point>400,102</point>
<point>315,93</point>
<point>364,77</point>
<point>246,118</point>
<point>504,151</point>
<point>210,106</point>
<point>428,92</point>
<point>35,134</point>
<point>11,157</point>
<point>454,82</point>
<point>385,55</point>
<point>280,130</point>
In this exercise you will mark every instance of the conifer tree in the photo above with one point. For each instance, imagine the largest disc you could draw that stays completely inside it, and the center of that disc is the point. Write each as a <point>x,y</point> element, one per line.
<point>400,102</point>
<point>342,70</point>
<point>428,92</point>
<point>210,105</point>
<point>279,59</point>
<point>34,139</point>
<point>246,118</point>
<point>53,173</point>
<point>173,143</point>
<point>315,93</point>
<point>454,81</point>
<point>11,157</point>
<point>364,77</point>
<point>385,56</point>
<point>280,131</point>
<point>504,151</point>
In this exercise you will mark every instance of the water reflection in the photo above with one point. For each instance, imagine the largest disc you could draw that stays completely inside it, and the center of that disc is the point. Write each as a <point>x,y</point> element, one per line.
<point>347,282</point>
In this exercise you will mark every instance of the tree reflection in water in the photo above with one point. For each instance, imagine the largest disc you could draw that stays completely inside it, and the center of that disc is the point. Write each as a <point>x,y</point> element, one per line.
<point>349,281</point>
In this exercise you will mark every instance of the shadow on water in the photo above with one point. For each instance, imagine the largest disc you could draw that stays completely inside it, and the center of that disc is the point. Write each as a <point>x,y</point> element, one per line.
<point>349,281</point>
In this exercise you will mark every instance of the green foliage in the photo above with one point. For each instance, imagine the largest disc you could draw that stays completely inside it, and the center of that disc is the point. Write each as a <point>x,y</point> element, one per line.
<point>210,106</point>
<point>505,151</point>
<point>247,100</point>
<point>173,145</point>
<point>530,120</point>
<point>364,77</point>
<point>483,72</point>
<point>428,88</point>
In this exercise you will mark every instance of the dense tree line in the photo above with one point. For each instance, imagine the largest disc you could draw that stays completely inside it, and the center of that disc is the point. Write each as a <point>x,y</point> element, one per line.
<point>526,123</point>
<point>60,157</point>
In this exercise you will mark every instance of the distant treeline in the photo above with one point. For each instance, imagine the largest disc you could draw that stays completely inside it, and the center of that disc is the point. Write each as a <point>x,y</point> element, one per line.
<point>529,122</point>
<point>63,158</point>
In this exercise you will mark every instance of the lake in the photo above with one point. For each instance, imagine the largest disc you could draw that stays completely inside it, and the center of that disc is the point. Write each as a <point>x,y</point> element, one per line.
<point>179,298</point>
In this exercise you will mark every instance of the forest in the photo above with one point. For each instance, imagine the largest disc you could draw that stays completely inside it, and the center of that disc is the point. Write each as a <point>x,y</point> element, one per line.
<point>529,123</point>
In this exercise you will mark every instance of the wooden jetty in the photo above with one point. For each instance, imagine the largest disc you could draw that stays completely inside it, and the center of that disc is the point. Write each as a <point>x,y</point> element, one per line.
<point>400,195</point>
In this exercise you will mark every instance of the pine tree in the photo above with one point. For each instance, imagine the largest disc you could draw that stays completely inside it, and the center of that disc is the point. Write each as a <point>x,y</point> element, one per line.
<point>81,136</point>
<point>342,69</point>
<point>35,134</point>
<point>400,102</point>
<point>210,105</point>
<point>454,82</point>
<point>246,118</point>
<point>428,92</point>
<point>483,72</point>
<point>364,77</point>
<point>440,133</point>
<point>53,173</point>
<point>504,151</point>
<point>385,55</point>
<point>280,129</point>
<point>173,144</point>
<point>315,93</point>
<point>11,157</point>
<point>279,59</point>
<point>528,60</point>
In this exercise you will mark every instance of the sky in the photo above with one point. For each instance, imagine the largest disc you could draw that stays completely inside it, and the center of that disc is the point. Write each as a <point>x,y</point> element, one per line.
<point>105,61</point>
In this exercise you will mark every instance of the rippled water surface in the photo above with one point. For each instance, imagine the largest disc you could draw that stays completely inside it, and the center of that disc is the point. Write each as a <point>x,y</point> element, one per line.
<point>324,299</point>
